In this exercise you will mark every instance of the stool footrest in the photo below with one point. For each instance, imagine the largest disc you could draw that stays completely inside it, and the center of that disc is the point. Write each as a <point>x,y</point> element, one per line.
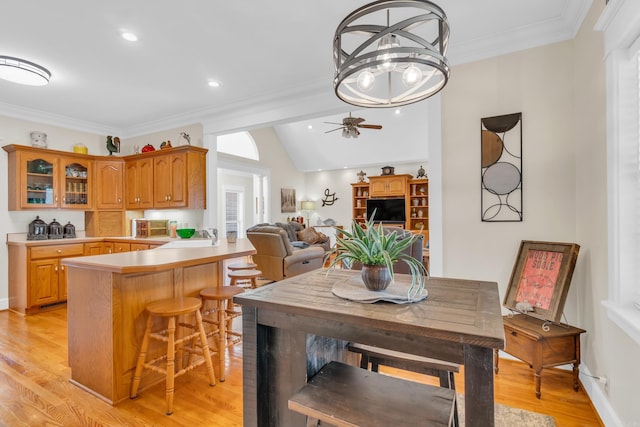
<point>343,395</point>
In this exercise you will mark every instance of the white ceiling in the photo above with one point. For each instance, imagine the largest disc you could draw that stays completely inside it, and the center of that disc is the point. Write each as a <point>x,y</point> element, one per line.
<point>265,53</point>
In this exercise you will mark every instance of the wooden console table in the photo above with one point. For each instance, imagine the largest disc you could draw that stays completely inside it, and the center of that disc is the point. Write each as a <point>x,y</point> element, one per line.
<point>293,327</point>
<point>528,341</point>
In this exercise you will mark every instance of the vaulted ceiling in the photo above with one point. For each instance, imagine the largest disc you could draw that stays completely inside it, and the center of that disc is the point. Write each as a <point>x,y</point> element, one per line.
<point>264,52</point>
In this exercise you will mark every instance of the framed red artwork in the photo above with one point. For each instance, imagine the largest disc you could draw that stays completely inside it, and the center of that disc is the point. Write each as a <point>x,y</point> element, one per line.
<point>540,278</point>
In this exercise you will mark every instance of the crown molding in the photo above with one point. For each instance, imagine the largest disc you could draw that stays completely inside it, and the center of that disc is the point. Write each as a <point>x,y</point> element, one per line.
<point>564,27</point>
<point>43,117</point>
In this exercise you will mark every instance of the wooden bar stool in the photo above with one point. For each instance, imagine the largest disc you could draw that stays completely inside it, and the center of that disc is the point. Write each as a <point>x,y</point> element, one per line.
<point>171,309</point>
<point>245,278</point>
<point>242,266</point>
<point>377,356</point>
<point>221,316</point>
<point>343,395</point>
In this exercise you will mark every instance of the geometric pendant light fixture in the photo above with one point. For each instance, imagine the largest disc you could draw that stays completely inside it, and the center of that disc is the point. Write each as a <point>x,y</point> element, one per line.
<point>391,53</point>
<point>23,72</point>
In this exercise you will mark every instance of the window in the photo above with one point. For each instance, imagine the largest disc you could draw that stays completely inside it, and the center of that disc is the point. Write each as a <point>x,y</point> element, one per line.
<point>233,211</point>
<point>239,144</point>
<point>622,48</point>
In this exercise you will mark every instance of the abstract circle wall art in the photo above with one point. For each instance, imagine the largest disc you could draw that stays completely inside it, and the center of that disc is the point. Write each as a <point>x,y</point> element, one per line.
<point>501,168</point>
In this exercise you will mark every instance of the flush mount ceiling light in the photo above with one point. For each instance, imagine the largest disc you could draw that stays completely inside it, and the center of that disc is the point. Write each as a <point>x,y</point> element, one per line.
<point>23,72</point>
<point>391,53</point>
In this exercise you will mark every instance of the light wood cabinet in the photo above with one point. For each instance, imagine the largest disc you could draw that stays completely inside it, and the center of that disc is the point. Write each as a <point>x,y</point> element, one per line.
<point>119,247</point>
<point>48,179</point>
<point>388,185</point>
<point>175,178</point>
<point>171,190</point>
<point>139,247</point>
<point>139,183</point>
<point>104,223</point>
<point>37,279</point>
<point>109,184</point>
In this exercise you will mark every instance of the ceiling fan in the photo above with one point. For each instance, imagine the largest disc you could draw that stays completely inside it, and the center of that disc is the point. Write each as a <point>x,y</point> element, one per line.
<point>350,126</point>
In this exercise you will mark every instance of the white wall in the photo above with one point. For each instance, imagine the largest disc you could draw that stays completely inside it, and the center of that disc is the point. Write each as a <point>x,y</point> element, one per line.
<point>282,172</point>
<point>560,90</point>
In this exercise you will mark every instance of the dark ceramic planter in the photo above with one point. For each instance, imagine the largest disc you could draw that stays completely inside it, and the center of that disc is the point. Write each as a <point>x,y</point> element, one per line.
<point>376,277</point>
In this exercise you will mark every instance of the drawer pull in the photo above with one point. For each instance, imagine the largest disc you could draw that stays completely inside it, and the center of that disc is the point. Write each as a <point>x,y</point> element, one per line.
<point>514,333</point>
<point>59,251</point>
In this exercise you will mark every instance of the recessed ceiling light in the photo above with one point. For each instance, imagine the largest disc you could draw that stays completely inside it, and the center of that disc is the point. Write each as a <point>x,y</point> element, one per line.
<point>310,127</point>
<point>130,37</point>
<point>213,83</point>
<point>398,111</point>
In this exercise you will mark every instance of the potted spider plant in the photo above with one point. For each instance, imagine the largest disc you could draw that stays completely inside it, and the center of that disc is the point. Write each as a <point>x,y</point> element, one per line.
<point>377,251</point>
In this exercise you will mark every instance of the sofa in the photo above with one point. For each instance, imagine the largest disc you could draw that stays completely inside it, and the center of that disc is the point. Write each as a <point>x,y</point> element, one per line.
<point>415,250</point>
<point>277,257</point>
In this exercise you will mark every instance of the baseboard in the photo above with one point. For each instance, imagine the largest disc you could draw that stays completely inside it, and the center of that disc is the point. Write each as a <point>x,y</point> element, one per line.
<point>4,304</point>
<point>598,397</point>
<point>594,390</point>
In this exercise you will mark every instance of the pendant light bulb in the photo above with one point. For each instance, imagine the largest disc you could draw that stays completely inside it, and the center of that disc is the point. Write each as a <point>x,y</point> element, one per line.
<point>365,81</point>
<point>387,42</point>
<point>411,76</point>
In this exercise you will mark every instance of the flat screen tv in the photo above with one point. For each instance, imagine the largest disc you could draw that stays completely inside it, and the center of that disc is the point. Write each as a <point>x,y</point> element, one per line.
<point>386,210</point>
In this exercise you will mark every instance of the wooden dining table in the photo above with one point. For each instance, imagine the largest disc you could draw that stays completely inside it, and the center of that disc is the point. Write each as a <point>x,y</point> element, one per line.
<point>293,327</point>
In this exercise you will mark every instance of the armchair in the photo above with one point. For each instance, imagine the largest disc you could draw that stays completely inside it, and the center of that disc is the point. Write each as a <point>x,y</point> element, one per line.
<point>277,258</point>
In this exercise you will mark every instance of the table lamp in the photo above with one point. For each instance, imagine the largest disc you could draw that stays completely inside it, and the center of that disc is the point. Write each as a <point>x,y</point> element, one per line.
<point>308,206</point>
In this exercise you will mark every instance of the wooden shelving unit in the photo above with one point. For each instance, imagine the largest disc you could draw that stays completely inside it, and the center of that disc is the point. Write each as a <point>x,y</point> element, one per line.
<point>359,196</point>
<point>415,192</point>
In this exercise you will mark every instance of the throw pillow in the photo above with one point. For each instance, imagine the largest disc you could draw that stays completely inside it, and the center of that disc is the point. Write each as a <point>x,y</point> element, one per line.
<point>309,235</point>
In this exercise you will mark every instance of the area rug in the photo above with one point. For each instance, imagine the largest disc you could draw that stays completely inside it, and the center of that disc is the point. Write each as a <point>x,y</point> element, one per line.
<point>507,416</point>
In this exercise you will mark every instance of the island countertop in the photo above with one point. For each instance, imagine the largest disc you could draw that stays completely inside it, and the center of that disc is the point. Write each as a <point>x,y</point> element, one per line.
<point>107,296</point>
<point>162,259</point>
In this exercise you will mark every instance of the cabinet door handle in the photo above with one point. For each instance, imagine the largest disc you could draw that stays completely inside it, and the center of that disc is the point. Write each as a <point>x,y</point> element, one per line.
<point>119,200</point>
<point>169,196</point>
<point>62,267</point>
<point>55,268</point>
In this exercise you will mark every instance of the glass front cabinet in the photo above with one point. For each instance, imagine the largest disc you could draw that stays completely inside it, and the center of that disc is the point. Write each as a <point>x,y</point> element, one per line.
<point>44,180</point>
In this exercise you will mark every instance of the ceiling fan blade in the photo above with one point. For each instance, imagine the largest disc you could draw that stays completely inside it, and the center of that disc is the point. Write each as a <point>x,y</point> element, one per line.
<point>333,130</point>
<point>334,123</point>
<point>358,120</point>
<point>370,126</point>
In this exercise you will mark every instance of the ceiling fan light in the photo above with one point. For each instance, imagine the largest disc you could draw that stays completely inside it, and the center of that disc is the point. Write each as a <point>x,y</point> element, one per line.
<point>23,72</point>
<point>366,80</point>
<point>411,76</point>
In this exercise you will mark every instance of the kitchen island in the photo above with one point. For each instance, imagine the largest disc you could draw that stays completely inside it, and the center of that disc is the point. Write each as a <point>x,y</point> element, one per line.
<point>107,297</point>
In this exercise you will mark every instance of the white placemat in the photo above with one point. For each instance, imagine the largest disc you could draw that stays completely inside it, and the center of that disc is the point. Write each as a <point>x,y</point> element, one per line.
<point>354,290</point>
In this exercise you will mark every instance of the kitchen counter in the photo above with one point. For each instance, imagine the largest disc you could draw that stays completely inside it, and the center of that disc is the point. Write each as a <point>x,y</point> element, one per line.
<point>21,239</point>
<point>107,297</point>
<point>159,260</point>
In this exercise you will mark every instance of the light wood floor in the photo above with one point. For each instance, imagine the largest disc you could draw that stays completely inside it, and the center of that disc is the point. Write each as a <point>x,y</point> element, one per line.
<point>35,388</point>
